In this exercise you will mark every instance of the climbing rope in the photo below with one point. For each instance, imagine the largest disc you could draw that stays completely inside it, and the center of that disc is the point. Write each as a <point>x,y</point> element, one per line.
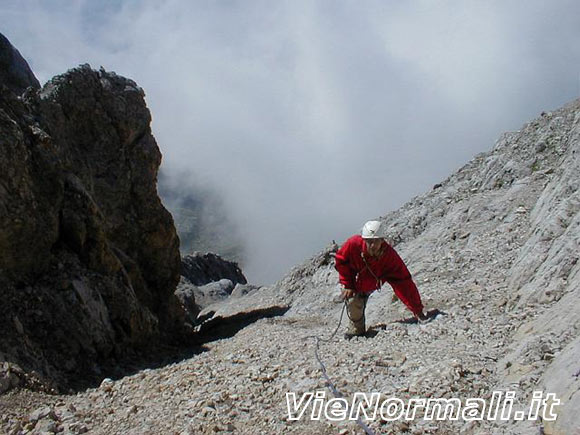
<point>319,339</point>
<point>329,382</point>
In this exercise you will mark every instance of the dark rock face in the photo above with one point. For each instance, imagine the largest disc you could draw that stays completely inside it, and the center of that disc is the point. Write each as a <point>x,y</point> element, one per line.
<point>14,70</point>
<point>89,257</point>
<point>202,269</point>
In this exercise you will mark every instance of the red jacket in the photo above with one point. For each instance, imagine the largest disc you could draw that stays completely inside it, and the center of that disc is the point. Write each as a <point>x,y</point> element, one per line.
<point>354,272</point>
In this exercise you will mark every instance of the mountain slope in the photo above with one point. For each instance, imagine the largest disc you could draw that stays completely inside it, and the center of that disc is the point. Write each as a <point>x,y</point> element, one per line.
<point>493,247</point>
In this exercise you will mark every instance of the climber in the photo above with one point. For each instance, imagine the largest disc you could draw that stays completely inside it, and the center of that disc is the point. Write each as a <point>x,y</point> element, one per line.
<point>364,263</point>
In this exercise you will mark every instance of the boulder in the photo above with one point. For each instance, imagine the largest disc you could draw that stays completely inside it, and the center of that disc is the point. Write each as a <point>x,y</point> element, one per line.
<point>243,289</point>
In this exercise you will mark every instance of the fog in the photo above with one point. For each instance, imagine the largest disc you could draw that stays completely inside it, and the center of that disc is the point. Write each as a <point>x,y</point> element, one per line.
<point>310,117</point>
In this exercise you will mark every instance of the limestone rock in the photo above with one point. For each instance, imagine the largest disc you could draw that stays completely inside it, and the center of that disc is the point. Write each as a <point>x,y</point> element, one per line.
<point>243,289</point>
<point>207,279</point>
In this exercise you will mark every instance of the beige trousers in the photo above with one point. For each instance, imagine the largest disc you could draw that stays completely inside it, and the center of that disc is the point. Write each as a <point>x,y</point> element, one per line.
<point>355,308</point>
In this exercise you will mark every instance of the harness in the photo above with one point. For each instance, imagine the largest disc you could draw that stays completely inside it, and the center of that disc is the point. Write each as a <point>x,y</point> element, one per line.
<point>362,254</point>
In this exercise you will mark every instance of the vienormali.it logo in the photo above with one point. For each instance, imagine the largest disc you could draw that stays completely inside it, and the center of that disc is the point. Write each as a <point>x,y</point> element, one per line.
<point>369,406</point>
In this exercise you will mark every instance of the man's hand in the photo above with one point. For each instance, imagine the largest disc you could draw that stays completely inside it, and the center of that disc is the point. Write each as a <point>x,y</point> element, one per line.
<point>347,294</point>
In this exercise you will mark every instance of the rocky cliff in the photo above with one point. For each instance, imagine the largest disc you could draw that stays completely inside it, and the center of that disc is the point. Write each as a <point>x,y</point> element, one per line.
<point>89,257</point>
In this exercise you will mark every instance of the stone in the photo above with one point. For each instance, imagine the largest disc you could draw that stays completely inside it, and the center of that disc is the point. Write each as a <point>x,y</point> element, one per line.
<point>243,289</point>
<point>41,413</point>
<point>107,384</point>
<point>46,427</point>
<point>78,428</point>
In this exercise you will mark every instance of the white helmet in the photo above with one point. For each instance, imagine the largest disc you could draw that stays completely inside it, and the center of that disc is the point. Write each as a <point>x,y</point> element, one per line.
<point>372,230</point>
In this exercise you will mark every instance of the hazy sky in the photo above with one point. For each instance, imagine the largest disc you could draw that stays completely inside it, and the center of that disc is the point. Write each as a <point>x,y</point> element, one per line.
<point>311,117</point>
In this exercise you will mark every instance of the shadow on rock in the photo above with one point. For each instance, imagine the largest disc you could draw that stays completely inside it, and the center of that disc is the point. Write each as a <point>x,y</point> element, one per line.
<point>431,315</point>
<point>218,327</point>
<point>161,355</point>
<point>134,361</point>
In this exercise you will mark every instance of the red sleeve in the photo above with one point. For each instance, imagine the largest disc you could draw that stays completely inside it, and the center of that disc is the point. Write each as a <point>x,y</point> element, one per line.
<point>346,275</point>
<point>398,276</point>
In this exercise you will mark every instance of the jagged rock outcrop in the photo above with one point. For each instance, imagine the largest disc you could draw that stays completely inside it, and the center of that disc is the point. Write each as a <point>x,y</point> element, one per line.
<point>15,73</point>
<point>202,268</point>
<point>89,257</point>
<point>207,278</point>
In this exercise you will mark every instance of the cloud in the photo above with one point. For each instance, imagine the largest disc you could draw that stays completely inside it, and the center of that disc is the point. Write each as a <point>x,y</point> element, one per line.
<point>311,117</point>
